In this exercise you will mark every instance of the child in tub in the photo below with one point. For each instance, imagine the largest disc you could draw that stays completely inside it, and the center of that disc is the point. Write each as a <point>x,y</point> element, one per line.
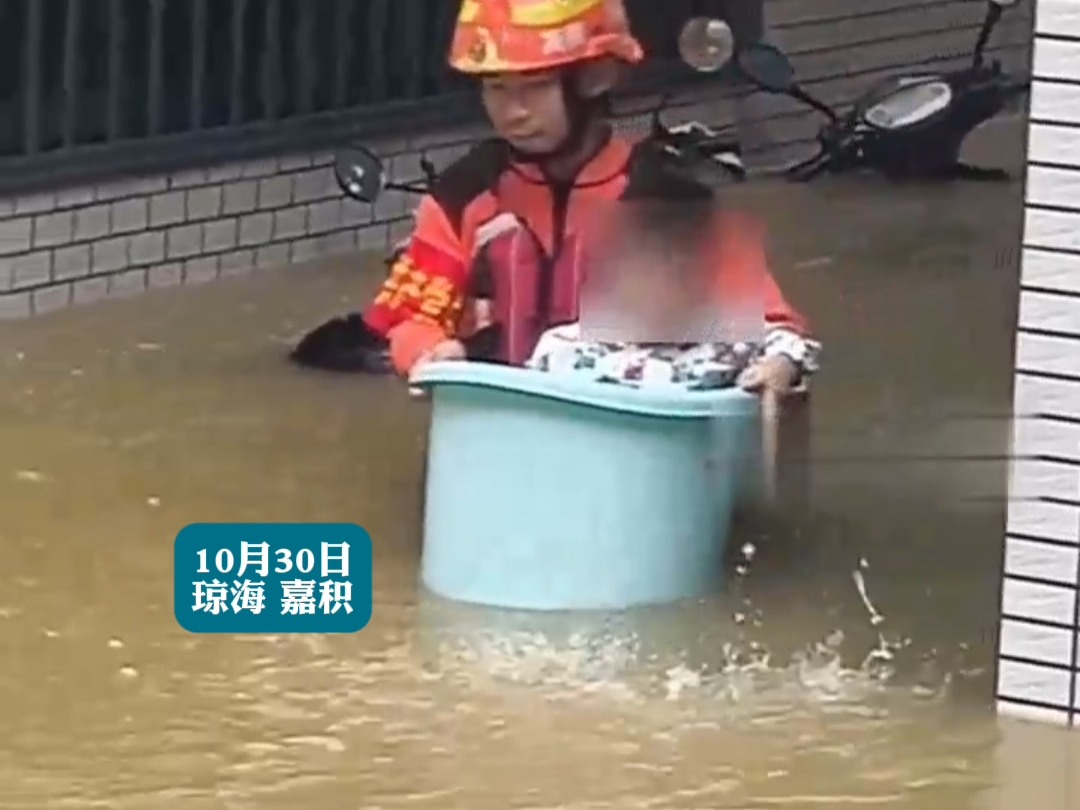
<point>658,319</point>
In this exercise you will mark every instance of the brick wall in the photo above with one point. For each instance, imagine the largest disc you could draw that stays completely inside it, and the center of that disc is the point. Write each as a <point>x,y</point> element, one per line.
<point>81,244</point>
<point>78,245</point>
<point>1039,647</point>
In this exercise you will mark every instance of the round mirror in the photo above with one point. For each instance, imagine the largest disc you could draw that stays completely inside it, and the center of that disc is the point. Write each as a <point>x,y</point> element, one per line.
<point>359,173</point>
<point>706,44</point>
<point>767,67</point>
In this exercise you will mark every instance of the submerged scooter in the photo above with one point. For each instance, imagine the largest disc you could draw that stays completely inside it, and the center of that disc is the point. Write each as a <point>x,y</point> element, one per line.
<point>905,127</point>
<point>348,344</point>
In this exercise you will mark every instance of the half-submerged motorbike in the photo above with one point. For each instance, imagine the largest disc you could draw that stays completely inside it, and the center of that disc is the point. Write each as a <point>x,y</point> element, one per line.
<point>347,344</point>
<point>905,127</point>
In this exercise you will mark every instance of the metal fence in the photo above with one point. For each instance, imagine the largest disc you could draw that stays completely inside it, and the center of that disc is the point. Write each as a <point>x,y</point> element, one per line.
<point>93,87</point>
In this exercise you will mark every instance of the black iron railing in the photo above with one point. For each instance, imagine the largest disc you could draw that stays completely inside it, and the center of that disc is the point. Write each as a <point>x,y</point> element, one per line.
<point>97,87</point>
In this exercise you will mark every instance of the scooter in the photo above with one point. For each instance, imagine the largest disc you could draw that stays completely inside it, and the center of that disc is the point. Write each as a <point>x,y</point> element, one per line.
<point>905,127</point>
<point>347,344</point>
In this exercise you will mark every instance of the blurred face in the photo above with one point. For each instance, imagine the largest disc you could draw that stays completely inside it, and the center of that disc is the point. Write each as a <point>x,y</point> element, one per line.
<point>527,109</point>
<point>650,287</point>
<point>661,293</point>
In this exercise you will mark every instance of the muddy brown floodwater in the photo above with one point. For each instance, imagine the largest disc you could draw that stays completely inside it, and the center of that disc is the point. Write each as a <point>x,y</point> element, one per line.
<point>123,422</point>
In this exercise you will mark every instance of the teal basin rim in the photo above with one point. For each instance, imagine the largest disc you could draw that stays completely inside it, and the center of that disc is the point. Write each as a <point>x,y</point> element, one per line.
<point>660,401</point>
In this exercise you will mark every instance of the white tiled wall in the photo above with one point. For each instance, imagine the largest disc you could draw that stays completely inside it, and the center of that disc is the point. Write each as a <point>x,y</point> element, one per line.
<point>1039,651</point>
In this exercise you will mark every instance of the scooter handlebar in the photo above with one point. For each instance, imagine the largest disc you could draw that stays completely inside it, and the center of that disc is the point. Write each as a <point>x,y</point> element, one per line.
<point>697,137</point>
<point>810,168</point>
<point>717,145</point>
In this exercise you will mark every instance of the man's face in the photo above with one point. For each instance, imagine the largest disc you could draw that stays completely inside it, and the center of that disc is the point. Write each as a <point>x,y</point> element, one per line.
<point>527,109</point>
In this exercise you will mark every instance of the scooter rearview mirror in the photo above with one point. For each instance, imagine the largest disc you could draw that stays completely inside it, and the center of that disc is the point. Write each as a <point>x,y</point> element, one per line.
<point>359,173</point>
<point>994,11</point>
<point>706,44</point>
<point>767,67</point>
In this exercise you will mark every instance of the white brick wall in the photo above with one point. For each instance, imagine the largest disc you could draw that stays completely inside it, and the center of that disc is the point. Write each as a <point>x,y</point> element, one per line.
<point>1039,647</point>
<point>118,238</point>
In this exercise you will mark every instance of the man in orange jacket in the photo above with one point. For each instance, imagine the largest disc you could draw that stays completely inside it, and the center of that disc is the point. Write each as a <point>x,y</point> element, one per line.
<point>506,224</point>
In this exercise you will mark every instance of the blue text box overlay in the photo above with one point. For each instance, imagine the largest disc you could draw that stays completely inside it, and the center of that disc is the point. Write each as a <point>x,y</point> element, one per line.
<point>273,578</point>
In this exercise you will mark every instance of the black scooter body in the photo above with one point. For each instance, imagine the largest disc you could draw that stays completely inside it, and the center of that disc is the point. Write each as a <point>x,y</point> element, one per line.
<point>905,127</point>
<point>929,147</point>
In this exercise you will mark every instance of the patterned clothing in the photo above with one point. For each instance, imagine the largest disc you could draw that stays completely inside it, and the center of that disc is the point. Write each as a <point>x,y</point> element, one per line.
<point>694,367</point>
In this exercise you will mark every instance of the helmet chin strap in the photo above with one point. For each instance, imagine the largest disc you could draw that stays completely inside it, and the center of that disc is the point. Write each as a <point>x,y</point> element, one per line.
<point>581,111</point>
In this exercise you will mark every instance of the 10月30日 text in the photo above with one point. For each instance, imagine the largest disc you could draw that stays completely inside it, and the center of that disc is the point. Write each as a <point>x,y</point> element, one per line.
<point>273,578</point>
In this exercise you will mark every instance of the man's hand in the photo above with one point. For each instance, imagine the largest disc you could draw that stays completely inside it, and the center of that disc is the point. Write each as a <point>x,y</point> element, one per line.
<point>446,350</point>
<point>775,375</point>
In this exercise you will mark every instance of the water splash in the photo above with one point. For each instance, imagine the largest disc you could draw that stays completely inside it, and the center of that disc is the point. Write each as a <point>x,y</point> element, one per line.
<point>860,584</point>
<point>627,667</point>
<point>630,658</point>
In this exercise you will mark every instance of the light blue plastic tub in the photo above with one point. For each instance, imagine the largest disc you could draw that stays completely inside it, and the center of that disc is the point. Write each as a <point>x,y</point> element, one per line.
<point>556,493</point>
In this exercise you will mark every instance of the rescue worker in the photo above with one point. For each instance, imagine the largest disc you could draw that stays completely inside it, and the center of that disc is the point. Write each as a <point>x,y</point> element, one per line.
<point>505,225</point>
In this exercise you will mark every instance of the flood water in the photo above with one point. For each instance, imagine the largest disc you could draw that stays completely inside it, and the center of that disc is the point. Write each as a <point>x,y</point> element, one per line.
<point>123,422</point>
